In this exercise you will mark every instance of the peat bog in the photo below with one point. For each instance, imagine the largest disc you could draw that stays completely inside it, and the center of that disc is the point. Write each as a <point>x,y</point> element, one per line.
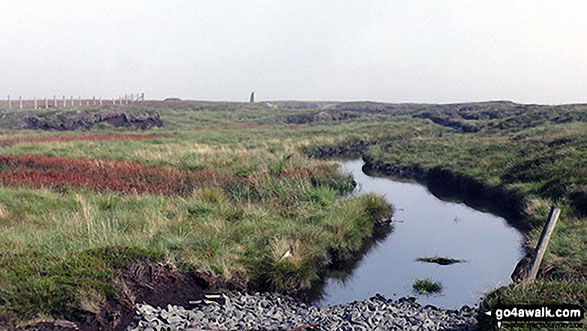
<point>237,193</point>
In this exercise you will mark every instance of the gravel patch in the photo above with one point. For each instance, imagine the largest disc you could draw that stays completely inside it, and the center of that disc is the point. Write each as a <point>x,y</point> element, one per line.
<point>270,311</point>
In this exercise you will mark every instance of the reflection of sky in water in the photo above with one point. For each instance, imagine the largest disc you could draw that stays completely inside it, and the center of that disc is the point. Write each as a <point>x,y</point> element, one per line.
<point>425,226</point>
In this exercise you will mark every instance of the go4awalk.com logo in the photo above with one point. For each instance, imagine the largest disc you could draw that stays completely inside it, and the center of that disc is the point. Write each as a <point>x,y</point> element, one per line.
<point>543,315</point>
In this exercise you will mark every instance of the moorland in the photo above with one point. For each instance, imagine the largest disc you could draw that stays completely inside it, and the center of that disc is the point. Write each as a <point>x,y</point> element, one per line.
<point>240,195</point>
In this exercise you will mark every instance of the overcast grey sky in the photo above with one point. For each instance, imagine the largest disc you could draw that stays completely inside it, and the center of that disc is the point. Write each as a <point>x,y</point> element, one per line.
<point>395,50</point>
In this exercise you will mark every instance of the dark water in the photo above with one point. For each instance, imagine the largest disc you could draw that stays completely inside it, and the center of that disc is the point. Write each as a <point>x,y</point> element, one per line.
<point>424,226</point>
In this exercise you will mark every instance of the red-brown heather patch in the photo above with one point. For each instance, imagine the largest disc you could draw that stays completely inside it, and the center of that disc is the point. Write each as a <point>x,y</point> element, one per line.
<point>94,137</point>
<point>119,176</point>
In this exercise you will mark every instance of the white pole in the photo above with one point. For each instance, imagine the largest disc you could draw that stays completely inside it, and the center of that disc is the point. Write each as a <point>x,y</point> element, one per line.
<point>35,100</point>
<point>94,101</point>
<point>71,100</point>
<point>113,101</point>
<point>100,100</point>
<point>64,102</point>
<point>55,101</point>
<point>9,103</point>
<point>20,102</point>
<point>46,103</point>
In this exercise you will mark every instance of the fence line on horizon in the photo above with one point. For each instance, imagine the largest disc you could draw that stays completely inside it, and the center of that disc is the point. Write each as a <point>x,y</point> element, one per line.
<point>64,102</point>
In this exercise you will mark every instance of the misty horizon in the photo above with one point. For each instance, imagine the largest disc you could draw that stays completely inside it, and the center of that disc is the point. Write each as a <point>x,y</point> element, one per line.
<point>382,51</point>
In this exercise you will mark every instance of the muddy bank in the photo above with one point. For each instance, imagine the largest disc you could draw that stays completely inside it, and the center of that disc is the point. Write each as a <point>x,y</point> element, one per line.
<point>449,185</point>
<point>73,120</point>
<point>141,282</point>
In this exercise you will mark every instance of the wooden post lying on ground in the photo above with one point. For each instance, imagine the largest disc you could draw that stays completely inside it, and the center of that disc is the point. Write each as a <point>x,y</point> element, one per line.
<point>543,243</point>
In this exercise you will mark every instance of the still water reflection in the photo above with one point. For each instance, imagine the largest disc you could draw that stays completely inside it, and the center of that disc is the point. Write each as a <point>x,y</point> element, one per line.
<point>425,226</point>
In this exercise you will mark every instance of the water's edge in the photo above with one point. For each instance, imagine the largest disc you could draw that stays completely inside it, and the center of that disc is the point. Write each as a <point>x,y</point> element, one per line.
<point>341,273</point>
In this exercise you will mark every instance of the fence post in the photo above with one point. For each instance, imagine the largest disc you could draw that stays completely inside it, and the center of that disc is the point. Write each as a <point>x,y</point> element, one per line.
<point>46,103</point>
<point>543,243</point>
<point>35,101</point>
<point>64,102</point>
<point>19,102</point>
<point>9,103</point>
<point>55,100</point>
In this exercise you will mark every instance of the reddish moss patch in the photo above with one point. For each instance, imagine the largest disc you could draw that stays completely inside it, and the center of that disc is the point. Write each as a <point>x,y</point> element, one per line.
<point>100,175</point>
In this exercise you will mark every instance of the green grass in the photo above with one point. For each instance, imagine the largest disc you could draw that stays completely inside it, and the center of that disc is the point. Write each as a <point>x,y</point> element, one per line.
<point>243,230</point>
<point>236,232</point>
<point>533,153</point>
<point>426,286</point>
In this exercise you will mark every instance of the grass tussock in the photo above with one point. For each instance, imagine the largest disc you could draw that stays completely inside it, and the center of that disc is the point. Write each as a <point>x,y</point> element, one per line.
<point>211,230</point>
<point>426,286</point>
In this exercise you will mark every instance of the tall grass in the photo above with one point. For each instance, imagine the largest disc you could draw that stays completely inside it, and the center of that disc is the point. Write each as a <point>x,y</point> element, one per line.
<point>212,230</point>
<point>61,246</point>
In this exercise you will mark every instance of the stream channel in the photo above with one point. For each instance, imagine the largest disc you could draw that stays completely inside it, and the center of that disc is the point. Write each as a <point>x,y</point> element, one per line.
<point>425,226</point>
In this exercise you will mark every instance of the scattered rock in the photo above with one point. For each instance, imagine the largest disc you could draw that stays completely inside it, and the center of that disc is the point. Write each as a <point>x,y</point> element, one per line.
<point>270,311</point>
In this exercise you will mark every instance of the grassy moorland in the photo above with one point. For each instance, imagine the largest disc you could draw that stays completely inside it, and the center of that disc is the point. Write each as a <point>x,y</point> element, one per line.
<point>229,188</point>
<point>206,193</point>
<point>526,158</point>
